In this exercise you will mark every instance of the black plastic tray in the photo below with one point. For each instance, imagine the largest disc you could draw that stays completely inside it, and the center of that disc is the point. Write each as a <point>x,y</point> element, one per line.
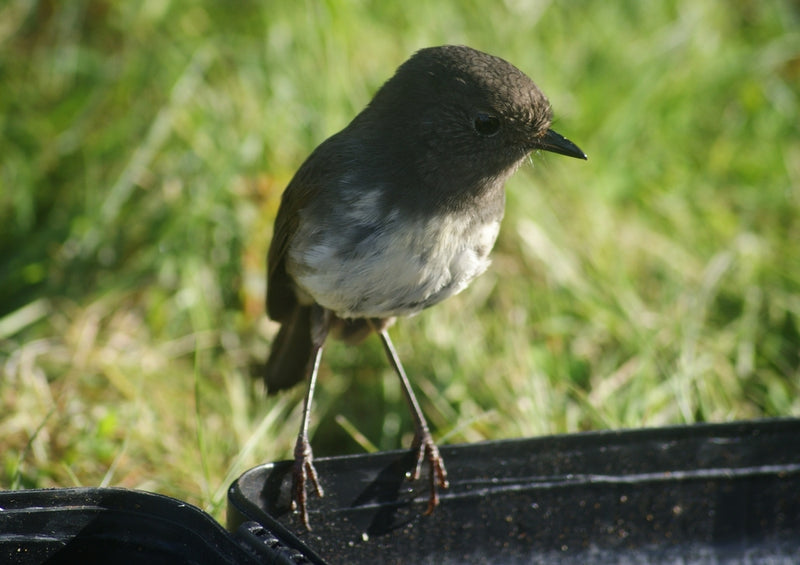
<point>720,493</point>
<point>727,493</point>
<point>118,526</point>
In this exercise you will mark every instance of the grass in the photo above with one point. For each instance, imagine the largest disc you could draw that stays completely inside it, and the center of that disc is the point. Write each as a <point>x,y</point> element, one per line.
<point>144,149</point>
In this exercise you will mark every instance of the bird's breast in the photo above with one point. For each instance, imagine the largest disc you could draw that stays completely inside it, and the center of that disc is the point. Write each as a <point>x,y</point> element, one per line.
<point>360,263</point>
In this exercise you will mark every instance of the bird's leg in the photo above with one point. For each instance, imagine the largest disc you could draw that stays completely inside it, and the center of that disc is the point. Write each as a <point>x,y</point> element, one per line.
<point>423,441</point>
<point>303,469</point>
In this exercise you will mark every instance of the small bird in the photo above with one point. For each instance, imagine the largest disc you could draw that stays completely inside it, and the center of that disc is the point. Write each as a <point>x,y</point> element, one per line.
<point>393,214</point>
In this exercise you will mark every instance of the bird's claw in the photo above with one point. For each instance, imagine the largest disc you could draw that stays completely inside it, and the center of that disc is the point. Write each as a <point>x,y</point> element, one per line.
<point>303,471</point>
<point>427,451</point>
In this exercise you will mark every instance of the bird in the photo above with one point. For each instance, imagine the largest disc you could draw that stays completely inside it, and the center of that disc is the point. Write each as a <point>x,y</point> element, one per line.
<point>393,214</point>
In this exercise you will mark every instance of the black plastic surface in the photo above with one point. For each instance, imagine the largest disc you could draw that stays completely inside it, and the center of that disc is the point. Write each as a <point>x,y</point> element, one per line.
<point>117,526</point>
<point>720,493</point>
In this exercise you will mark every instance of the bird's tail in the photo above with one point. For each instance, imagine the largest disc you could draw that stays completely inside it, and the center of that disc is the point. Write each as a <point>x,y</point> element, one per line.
<point>290,354</point>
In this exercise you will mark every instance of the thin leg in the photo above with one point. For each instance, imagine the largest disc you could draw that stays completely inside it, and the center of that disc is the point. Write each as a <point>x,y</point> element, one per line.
<point>423,441</point>
<point>303,469</point>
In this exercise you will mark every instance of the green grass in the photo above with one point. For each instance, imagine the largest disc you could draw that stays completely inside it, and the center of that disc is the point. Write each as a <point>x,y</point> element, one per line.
<point>143,152</point>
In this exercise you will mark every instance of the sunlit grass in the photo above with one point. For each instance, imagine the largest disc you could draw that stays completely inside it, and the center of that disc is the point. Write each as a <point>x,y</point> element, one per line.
<point>143,153</point>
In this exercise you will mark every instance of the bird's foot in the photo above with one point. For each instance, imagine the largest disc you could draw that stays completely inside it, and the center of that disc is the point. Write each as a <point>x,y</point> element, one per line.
<point>303,471</point>
<point>427,451</point>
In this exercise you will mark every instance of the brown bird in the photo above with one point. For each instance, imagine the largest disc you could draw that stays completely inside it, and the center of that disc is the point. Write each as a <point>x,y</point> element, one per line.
<point>395,213</point>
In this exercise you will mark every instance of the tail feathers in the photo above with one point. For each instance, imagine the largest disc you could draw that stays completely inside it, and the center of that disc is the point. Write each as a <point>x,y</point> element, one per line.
<point>290,355</point>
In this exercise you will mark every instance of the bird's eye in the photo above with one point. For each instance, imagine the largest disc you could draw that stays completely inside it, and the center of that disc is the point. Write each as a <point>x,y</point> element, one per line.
<point>486,124</point>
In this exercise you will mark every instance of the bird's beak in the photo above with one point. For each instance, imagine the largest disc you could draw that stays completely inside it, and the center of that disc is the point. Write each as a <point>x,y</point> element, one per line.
<point>557,143</point>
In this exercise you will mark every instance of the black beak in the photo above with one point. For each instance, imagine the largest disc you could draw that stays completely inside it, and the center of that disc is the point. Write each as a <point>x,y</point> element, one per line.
<point>557,143</point>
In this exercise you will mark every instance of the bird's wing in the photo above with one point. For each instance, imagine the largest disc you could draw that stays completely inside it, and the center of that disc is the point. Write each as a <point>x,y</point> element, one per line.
<point>303,188</point>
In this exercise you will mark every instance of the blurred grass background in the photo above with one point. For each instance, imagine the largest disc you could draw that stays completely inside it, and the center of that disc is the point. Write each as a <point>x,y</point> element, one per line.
<point>143,150</point>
